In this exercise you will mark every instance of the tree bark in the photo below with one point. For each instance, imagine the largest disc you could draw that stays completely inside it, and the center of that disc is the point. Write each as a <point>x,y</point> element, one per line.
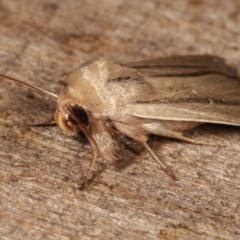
<point>41,168</point>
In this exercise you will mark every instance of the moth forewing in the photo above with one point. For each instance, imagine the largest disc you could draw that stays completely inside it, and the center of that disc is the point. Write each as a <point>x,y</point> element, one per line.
<point>164,97</point>
<point>210,95</point>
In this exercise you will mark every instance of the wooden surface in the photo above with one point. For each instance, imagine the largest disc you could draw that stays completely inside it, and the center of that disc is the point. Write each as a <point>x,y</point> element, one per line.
<point>42,41</point>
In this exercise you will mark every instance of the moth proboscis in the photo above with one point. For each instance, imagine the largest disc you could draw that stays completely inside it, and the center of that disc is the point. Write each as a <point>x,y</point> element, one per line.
<point>163,96</point>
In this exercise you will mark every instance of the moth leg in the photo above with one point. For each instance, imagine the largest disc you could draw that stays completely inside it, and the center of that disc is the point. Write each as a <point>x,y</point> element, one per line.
<point>102,145</point>
<point>90,168</point>
<point>179,136</point>
<point>140,135</point>
<point>165,168</point>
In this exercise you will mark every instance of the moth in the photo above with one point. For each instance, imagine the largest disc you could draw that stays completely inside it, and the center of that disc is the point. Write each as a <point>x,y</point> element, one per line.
<point>163,96</point>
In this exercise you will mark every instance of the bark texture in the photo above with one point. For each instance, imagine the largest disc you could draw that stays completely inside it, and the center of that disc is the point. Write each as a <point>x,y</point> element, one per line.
<point>42,41</point>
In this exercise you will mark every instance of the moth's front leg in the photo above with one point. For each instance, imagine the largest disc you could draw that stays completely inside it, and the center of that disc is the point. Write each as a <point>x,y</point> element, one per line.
<point>102,144</point>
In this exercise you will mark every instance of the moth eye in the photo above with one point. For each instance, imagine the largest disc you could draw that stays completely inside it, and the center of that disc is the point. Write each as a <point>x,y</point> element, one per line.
<point>80,114</point>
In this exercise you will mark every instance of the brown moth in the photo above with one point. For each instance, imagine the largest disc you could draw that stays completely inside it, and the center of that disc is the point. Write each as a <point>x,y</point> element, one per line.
<point>165,97</point>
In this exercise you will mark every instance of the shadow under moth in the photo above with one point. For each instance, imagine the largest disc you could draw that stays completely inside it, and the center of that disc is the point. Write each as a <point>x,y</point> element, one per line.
<point>163,96</point>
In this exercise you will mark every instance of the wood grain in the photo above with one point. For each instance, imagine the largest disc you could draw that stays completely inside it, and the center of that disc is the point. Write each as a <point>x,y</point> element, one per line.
<point>41,168</point>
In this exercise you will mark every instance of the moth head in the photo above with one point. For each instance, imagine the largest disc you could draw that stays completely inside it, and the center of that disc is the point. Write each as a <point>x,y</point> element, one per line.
<point>71,118</point>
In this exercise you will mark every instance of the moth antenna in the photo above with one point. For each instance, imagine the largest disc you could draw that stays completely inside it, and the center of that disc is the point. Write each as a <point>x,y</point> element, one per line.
<point>29,86</point>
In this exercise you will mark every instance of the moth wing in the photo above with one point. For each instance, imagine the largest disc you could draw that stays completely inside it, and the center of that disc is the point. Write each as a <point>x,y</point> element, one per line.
<point>188,88</point>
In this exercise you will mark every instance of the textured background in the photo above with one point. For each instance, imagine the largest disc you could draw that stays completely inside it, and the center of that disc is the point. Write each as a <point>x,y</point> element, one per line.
<point>42,41</point>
